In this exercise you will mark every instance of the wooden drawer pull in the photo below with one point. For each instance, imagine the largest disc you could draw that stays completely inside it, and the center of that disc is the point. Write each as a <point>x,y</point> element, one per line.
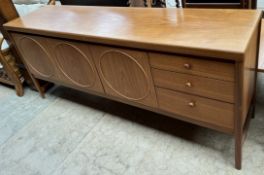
<point>187,66</point>
<point>191,104</point>
<point>188,84</point>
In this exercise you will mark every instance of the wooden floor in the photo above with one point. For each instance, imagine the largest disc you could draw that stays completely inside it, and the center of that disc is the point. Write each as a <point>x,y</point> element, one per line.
<point>261,50</point>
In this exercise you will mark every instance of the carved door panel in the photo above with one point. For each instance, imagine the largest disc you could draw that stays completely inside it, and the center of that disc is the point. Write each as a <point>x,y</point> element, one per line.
<point>36,55</point>
<point>66,63</point>
<point>125,74</point>
<point>75,65</point>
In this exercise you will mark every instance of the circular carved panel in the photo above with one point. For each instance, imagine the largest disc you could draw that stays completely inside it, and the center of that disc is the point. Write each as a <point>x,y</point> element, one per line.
<point>36,56</point>
<point>75,65</point>
<point>124,75</point>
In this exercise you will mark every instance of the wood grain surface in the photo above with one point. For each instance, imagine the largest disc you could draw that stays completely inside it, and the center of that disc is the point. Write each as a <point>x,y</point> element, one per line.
<point>198,108</point>
<point>205,32</point>
<point>196,65</point>
<point>207,87</point>
<point>193,65</point>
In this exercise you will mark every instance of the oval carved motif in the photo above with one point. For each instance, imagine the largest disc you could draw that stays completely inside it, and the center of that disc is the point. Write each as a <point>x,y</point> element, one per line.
<point>75,65</point>
<point>124,75</point>
<point>36,56</point>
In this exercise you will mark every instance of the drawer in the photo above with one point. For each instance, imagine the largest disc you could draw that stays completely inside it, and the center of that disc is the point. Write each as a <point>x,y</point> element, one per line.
<point>197,108</point>
<point>207,87</point>
<point>194,66</point>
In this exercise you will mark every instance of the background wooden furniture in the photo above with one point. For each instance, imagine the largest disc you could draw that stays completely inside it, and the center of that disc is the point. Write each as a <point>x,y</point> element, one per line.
<point>7,13</point>
<point>218,3</point>
<point>254,4</point>
<point>177,2</point>
<point>144,67</point>
<point>122,3</point>
<point>10,73</point>
<point>13,67</point>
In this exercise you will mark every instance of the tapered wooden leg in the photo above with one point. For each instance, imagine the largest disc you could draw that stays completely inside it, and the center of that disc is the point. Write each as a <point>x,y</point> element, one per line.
<point>37,85</point>
<point>238,127</point>
<point>238,134</point>
<point>33,82</point>
<point>241,135</point>
<point>254,100</point>
<point>238,150</point>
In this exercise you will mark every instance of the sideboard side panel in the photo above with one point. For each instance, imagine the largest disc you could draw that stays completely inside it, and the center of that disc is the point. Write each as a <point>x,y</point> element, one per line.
<point>249,74</point>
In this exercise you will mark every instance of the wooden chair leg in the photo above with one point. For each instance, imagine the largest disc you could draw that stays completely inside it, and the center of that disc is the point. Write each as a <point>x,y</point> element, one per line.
<point>12,71</point>
<point>19,90</point>
<point>31,77</point>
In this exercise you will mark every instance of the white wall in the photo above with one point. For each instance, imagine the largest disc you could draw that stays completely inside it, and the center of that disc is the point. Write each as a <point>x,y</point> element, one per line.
<point>261,4</point>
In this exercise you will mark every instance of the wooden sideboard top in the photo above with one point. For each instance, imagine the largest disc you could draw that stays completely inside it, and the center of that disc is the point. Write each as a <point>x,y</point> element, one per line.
<point>203,32</point>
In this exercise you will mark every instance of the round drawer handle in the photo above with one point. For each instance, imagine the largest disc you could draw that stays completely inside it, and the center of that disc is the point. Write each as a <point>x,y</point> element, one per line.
<point>188,84</point>
<point>187,66</point>
<point>191,104</point>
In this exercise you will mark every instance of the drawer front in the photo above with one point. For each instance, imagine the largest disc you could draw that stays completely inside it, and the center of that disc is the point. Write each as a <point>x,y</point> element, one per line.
<point>193,66</point>
<point>212,88</point>
<point>197,108</point>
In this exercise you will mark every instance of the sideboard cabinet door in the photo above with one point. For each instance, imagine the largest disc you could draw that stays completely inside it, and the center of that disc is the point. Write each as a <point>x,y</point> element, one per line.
<point>36,55</point>
<point>125,74</point>
<point>75,65</point>
<point>63,62</point>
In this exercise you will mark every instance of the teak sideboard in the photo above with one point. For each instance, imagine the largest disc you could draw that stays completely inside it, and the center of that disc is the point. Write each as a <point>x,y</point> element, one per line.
<point>194,65</point>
